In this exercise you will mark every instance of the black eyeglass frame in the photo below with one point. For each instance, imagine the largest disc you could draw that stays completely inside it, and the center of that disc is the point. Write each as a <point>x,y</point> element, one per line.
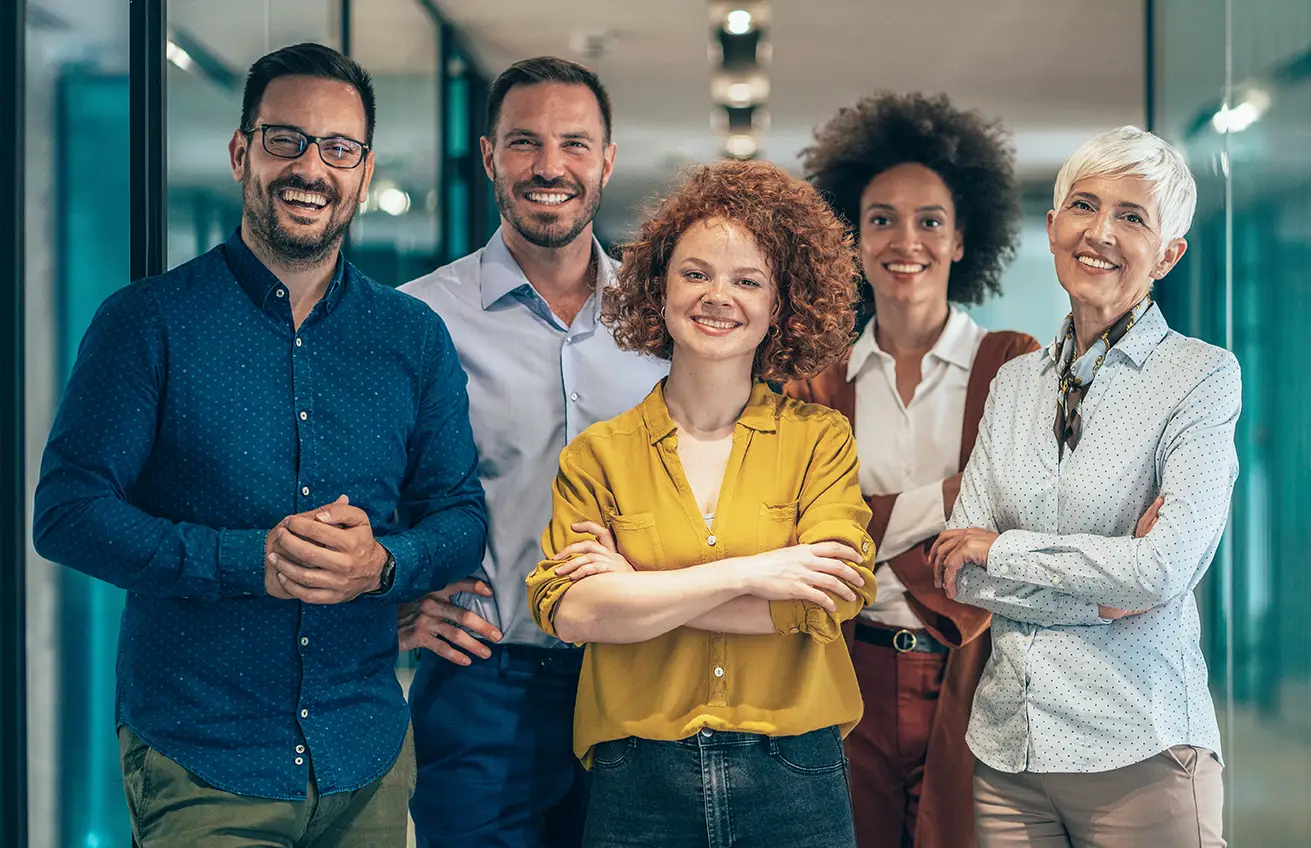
<point>309,140</point>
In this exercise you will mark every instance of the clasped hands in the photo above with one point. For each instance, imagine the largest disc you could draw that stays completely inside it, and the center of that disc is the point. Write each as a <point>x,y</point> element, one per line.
<point>955,549</point>
<point>325,556</point>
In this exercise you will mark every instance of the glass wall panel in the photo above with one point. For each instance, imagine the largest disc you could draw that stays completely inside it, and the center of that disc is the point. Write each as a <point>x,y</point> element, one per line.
<point>77,213</point>
<point>396,236</point>
<point>209,55</point>
<point>1233,86</point>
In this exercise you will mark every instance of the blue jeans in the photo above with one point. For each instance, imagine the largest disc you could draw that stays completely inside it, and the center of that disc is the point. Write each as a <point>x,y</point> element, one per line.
<point>494,746</point>
<point>721,789</point>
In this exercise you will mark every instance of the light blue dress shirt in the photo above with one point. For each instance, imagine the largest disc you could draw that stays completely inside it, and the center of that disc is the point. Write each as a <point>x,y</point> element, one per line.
<point>534,384</point>
<point>1065,690</point>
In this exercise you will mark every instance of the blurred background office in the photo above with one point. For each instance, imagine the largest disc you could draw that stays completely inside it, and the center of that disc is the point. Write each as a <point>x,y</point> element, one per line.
<point>119,169</point>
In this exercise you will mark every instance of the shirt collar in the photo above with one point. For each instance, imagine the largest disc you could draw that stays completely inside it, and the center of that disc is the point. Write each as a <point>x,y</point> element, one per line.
<point>954,346</point>
<point>260,283</point>
<point>760,414</point>
<point>501,275</point>
<point>1143,337</point>
<point>1138,342</point>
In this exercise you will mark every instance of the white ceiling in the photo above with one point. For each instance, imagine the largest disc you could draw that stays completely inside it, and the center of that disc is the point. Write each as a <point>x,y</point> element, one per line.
<point>1056,71</point>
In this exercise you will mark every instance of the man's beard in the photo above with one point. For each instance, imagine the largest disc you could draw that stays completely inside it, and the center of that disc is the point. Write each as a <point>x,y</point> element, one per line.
<point>549,229</point>
<point>262,215</point>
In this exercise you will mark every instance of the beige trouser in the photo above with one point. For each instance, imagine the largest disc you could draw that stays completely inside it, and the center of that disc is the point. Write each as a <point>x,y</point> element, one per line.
<point>1173,800</point>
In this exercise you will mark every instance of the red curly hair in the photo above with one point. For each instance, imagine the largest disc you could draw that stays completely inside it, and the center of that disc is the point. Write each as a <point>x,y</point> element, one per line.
<point>808,249</point>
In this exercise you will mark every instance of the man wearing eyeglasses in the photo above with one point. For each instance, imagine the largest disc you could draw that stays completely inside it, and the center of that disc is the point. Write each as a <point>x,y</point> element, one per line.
<point>269,452</point>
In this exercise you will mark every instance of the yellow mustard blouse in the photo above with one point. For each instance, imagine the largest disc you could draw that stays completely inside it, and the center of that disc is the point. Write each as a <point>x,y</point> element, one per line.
<point>791,479</point>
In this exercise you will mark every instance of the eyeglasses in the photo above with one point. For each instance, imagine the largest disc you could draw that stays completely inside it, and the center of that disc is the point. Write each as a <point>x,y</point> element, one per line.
<point>291,143</point>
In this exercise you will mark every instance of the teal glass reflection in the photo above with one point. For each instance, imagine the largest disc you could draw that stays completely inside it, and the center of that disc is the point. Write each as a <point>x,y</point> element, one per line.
<point>93,190</point>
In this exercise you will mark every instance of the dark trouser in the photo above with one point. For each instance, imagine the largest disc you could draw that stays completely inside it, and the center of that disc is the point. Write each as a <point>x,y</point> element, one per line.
<point>720,789</point>
<point>494,742</point>
<point>171,807</point>
<point>888,747</point>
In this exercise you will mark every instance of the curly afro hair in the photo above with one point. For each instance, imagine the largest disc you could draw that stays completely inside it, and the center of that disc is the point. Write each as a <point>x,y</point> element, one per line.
<point>972,155</point>
<point>810,255</point>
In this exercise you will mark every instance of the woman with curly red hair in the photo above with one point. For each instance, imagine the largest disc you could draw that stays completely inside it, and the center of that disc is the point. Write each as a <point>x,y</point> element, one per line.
<point>930,192</point>
<point>708,544</point>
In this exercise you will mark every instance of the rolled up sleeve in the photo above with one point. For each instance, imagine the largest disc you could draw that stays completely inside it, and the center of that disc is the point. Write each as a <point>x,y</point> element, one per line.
<point>831,509</point>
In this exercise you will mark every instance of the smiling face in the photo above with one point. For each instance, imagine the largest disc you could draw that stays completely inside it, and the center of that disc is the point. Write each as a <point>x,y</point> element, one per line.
<point>1106,241</point>
<point>908,234</point>
<point>549,161</point>
<point>300,208</point>
<point>720,293</point>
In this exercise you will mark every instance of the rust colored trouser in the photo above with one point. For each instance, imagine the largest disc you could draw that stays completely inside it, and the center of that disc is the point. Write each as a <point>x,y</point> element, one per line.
<point>887,749</point>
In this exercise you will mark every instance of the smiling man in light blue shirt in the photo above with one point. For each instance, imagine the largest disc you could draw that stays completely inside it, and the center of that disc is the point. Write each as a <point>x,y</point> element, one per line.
<point>1093,723</point>
<point>493,715</point>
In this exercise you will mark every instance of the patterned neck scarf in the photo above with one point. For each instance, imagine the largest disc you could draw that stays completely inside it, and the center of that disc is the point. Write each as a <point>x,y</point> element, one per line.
<point>1076,374</point>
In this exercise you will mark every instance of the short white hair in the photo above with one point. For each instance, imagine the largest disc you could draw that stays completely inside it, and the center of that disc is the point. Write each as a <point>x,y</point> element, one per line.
<point>1131,152</point>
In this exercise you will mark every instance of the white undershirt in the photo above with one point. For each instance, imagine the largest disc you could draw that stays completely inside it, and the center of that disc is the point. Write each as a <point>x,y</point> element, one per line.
<point>910,449</point>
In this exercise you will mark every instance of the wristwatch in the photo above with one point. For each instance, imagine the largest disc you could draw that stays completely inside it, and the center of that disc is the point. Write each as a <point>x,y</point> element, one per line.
<point>388,575</point>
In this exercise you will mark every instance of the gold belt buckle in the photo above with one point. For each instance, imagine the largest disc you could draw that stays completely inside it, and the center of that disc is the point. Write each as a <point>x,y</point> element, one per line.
<point>903,641</point>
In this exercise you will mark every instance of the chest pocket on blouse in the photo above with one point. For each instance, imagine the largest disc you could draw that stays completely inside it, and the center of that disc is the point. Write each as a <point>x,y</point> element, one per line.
<point>637,540</point>
<point>778,526</point>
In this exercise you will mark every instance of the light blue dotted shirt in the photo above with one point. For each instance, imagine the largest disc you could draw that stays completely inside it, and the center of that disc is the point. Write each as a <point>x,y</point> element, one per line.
<point>1065,690</point>
<point>197,418</point>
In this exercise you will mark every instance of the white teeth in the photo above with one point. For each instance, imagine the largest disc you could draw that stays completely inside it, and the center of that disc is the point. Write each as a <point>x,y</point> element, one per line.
<point>900,268</point>
<point>548,199</point>
<point>1093,262</point>
<point>295,196</point>
<point>717,325</point>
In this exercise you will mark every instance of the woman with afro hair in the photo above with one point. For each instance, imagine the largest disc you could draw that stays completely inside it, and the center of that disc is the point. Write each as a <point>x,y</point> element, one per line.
<point>930,193</point>
<point>708,545</point>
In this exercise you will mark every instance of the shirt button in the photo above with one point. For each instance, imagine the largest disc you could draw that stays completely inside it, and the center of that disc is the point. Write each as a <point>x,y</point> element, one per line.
<point>1056,579</point>
<point>300,761</point>
<point>305,490</point>
<point>795,630</point>
<point>864,547</point>
<point>299,342</point>
<point>304,415</point>
<point>573,396</point>
<point>719,672</point>
<point>1003,569</point>
<point>280,293</point>
<point>710,541</point>
<point>300,749</point>
<point>304,713</point>
<point>304,640</point>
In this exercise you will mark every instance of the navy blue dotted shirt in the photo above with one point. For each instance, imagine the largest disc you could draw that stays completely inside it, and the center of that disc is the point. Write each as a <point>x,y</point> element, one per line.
<point>197,418</point>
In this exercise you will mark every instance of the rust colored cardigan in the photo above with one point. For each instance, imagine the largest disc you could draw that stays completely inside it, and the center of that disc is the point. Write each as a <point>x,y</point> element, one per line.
<point>946,817</point>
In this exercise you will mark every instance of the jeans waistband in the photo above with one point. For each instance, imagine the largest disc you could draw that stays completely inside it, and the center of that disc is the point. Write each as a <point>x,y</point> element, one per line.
<point>707,738</point>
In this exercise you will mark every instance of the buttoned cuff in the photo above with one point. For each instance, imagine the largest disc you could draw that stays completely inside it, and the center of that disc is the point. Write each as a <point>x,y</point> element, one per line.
<point>1009,558</point>
<point>789,617</point>
<point>241,563</point>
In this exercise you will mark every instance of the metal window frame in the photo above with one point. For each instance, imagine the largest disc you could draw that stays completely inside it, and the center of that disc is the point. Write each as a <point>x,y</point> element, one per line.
<point>13,445</point>
<point>148,65</point>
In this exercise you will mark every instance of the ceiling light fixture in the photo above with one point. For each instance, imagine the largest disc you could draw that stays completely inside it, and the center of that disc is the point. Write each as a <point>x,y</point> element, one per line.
<point>179,57</point>
<point>741,146</point>
<point>1242,116</point>
<point>738,22</point>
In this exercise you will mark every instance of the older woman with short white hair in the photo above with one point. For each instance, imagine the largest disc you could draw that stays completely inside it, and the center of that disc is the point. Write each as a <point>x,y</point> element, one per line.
<point>1091,507</point>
